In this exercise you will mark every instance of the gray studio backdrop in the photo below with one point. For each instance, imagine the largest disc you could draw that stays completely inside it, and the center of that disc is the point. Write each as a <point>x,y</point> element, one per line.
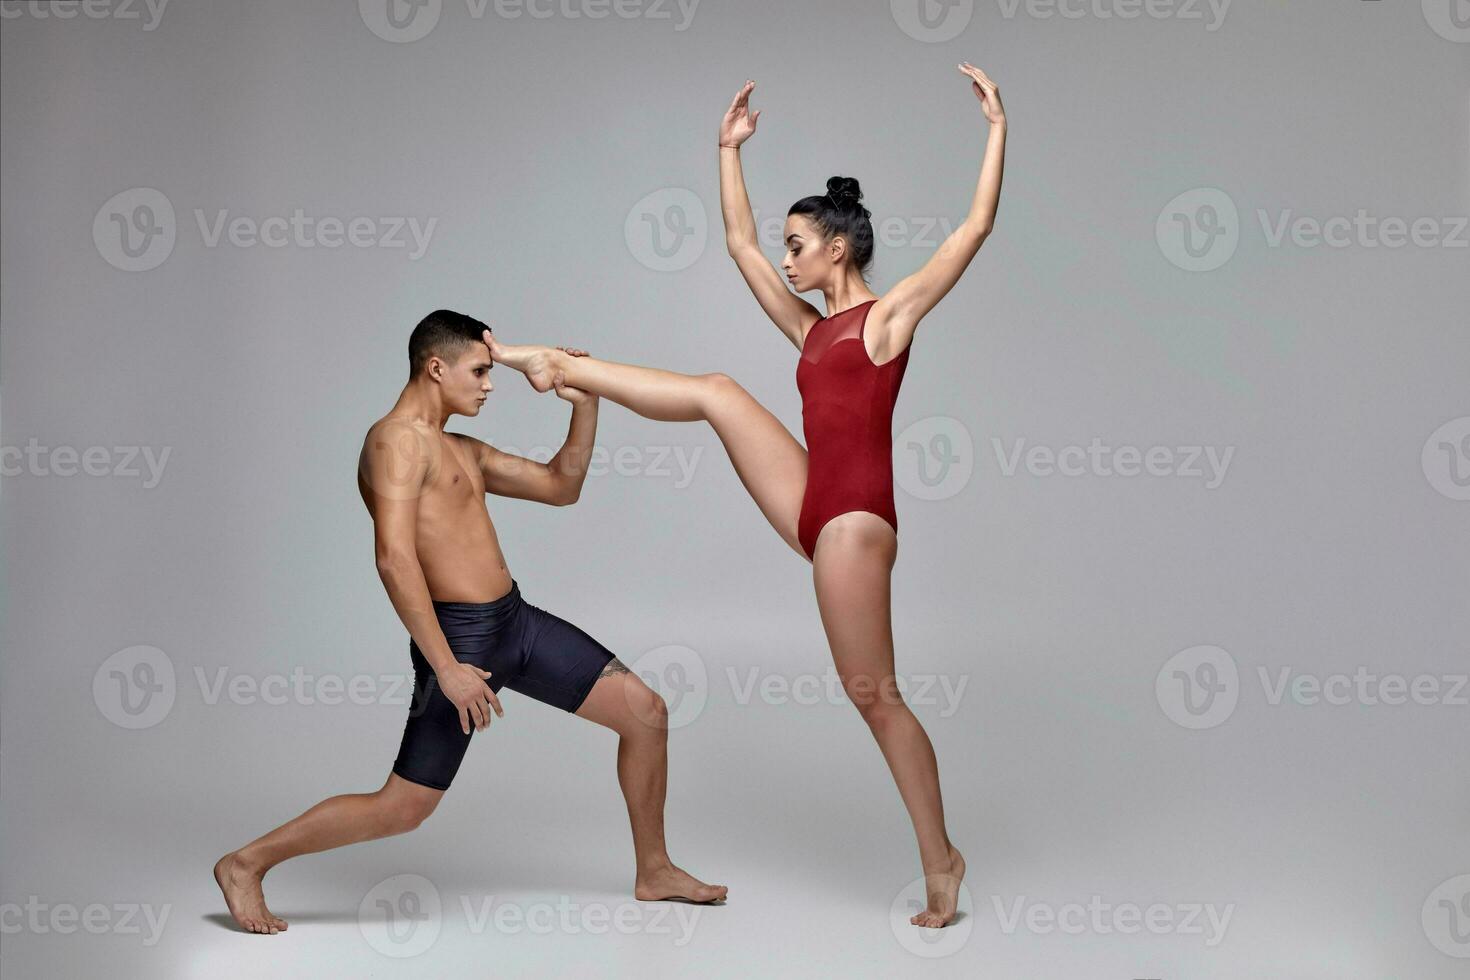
<point>1183,467</point>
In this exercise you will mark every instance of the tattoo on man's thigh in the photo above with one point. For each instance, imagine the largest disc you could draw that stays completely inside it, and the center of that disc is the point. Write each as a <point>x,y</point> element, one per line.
<point>614,666</point>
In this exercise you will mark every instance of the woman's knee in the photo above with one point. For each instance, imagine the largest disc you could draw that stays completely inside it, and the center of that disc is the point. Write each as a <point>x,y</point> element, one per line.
<point>719,389</point>
<point>878,700</point>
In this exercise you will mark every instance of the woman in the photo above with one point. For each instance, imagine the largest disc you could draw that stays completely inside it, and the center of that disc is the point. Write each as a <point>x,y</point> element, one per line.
<point>833,501</point>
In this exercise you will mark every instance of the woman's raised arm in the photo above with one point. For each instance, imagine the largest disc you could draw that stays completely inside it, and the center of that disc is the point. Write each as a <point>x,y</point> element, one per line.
<point>901,309</point>
<point>789,312</point>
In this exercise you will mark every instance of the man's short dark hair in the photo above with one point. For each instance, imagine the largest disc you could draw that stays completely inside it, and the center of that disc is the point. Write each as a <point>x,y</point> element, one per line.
<point>445,334</point>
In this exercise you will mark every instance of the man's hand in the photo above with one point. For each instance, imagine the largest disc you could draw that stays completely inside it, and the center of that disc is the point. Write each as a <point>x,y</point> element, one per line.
<point>464,685</point>
<point>574,395</point>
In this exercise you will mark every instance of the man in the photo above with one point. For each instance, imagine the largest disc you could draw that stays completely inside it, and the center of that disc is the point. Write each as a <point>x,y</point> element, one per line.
<point>472,633</point>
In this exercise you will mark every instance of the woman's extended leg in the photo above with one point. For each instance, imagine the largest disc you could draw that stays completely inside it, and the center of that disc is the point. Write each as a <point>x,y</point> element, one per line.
<point>854,558</point>
<point>769,461</point>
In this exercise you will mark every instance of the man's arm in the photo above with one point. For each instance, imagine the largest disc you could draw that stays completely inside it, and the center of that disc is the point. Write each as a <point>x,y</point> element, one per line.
<point>395,464</point>
<point>557,481</point>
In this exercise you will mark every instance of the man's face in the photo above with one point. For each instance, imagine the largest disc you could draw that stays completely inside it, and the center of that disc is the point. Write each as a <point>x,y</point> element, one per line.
<point>466,382</point>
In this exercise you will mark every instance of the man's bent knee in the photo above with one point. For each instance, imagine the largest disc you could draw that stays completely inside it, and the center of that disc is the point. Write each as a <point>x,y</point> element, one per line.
<point>647,707</point>
<point>408,805</point>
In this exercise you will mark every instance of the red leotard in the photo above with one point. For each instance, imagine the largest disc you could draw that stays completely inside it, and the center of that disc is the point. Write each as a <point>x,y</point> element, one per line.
<point>847,415</point>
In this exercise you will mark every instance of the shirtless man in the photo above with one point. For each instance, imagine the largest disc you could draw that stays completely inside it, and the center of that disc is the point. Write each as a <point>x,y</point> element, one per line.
<point>472,633</point>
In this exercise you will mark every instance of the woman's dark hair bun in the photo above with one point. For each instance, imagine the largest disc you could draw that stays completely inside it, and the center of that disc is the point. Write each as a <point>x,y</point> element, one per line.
<point>840,212</point>
<point>845,191</point>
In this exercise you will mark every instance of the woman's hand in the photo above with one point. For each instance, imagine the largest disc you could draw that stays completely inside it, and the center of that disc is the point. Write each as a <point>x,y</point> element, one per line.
<point>986,91</point>
<point>739,122</point>
<point>574,351</point>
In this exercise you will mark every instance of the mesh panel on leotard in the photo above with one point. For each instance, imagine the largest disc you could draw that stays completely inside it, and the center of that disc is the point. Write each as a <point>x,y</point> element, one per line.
<point>847,325</point>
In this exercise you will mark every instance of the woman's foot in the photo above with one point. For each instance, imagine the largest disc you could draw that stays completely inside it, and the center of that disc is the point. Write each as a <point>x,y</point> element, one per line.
<point>673,882</point>
<point>942,886</point>
<point>539,364</point>
<point>243,895</point>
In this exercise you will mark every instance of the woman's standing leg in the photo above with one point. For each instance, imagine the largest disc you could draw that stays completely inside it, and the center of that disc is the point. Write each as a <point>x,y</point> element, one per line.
<point>854,560</point>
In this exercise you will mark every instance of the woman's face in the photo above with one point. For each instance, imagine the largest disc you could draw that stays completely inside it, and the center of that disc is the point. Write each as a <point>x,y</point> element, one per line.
<point>812,261</point>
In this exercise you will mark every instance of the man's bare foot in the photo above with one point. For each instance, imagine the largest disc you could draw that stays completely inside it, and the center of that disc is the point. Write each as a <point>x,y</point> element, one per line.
<point>539,364</point>
<point>244,896</point>
<point>673,882</point>
<point>942,886</point>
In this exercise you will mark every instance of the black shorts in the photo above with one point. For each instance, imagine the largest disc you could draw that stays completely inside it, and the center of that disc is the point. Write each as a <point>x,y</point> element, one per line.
<point>524,647</point>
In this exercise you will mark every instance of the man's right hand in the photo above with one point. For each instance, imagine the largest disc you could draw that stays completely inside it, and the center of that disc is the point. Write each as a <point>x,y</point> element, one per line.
<point>464,685</point>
